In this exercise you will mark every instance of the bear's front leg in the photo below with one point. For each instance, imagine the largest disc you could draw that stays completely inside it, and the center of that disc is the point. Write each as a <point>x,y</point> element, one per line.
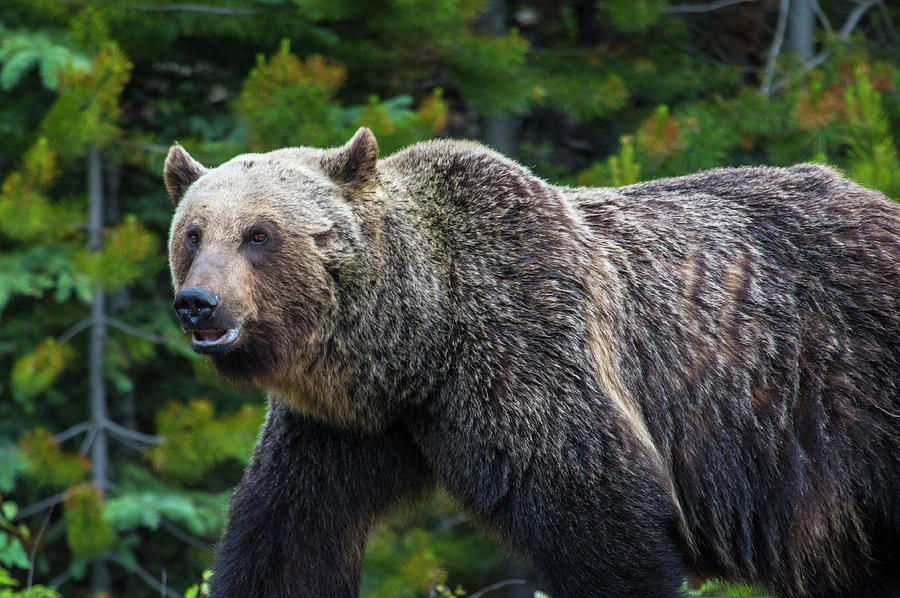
<point>299,519</point>
<point>584,503</point>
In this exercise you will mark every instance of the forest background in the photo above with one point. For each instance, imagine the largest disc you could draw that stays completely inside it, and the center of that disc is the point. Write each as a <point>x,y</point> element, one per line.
<point>118,446</point>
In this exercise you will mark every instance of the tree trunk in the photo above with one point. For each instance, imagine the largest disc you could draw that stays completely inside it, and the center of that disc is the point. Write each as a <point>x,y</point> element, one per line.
<point>100,581</point>
<point>498,130</point>
<point>801,29</point>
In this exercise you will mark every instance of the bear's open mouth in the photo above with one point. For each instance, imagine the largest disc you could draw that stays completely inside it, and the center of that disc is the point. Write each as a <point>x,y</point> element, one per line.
<point>214,337</point>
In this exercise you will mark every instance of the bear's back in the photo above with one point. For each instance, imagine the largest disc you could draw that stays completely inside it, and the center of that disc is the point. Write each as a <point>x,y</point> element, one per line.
<point>763,302</point>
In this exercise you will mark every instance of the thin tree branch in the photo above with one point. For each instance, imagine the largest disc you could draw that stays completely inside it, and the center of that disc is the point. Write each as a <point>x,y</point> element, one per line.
<point>183,535</point>
<point>135,446</point>
<point>889,25</point>
<point>29,582</point>
<point>129,329</point>
<point>71,332</point>
<point>73,431</point>
<point>204,8</point>
<point>145,575</point>
<point>88,440</point>
<point>854,18</point>
<point>128,433</point>
<point>50,501</point>
<point>775,49</point>
<point>497,586</point>
<point>60,579</point>
<point>820,14</point>
<point>708,59</point>
<point>843,35</point>
<point>698,8</point>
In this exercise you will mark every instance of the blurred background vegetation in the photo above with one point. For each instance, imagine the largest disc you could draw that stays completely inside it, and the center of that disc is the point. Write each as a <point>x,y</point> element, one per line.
<point>118,446</point>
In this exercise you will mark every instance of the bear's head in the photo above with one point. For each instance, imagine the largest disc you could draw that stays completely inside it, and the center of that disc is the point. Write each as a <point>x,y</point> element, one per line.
<point>258,247</point>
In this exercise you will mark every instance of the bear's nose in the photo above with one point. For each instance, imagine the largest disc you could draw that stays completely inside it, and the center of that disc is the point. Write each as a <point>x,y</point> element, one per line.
<point>194,304</point>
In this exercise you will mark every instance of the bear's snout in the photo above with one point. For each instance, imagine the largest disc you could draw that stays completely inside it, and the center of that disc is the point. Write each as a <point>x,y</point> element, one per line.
<point>194,306</point>
<point>199,310</point>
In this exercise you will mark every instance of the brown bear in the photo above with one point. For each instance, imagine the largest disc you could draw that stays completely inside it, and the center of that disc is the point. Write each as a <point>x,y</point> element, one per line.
<point>696,375</point>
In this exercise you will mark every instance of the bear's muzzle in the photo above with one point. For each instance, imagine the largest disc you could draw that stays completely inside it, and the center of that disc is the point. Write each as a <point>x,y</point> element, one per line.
<point>196,309</point>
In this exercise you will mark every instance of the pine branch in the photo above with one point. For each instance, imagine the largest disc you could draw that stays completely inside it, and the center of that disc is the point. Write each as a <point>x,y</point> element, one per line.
<point>71,332</point>
<point>50,501</point>
<point>73,431</point>
<point>88,440</point>
<point>700,8</point>
<point>135,446</point>
<point>129,329</point>
<point>775,49</point>
<point>124,433</point>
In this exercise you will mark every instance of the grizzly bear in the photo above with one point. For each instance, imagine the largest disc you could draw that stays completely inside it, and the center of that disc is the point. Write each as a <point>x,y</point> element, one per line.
<point>697,375</point>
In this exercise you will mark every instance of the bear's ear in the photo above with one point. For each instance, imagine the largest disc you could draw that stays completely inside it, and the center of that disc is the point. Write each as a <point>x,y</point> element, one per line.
<point>180,172</point>
<point>354,164</point>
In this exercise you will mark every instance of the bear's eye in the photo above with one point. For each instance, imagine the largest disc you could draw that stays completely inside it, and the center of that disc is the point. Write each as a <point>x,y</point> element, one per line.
<point>258,237</point>
<point>193,238</point>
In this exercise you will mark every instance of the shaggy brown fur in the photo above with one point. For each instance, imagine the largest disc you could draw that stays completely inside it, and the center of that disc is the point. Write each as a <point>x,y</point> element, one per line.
<point>699,374</point>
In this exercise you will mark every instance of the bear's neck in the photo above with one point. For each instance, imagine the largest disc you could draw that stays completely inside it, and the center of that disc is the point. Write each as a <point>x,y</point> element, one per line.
<point>388,331</point>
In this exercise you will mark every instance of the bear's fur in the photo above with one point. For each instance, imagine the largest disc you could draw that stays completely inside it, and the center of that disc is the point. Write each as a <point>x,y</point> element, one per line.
<point>690,375</point>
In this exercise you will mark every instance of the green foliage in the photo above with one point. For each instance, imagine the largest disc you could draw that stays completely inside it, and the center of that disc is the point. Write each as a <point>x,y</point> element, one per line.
<point>417,551</point>
<point>203,587</point>
<point>145,509</point>
<point>12,463</point>
<point>40,268</point>
<point>873,158</point>
<point>490,72</point>
<point>143,501</point>
<point>631,15</point>
<point>88,533</point>
<point>48,465</point>
<point>660,136</point>
<point>716,587</point>
<point>25,211</point>
<point>129,253</point>
<point>20,51</point>
<point>34,372</point>
<point>11,552</point>
<point>420,568</point>
<point>618,171</point>
<point>838,116</point>
<point>287,102</point>
<point>87,108</point>
<point>8,585</point>
<point>577,84</point>
<point>195,441</point>
<point>396,125</point>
